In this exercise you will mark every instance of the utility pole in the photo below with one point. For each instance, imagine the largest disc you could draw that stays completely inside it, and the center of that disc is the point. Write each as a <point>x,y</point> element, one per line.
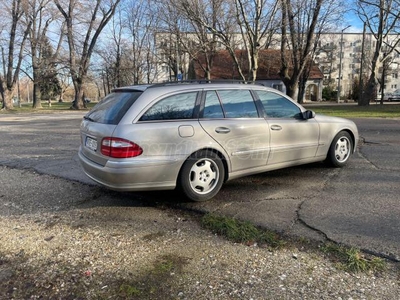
<point>384,65</point>
<point>340,65</point>
<point>361,89</point>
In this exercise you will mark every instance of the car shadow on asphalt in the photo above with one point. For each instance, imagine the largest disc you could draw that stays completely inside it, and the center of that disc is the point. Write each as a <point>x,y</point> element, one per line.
<point>268,181</point>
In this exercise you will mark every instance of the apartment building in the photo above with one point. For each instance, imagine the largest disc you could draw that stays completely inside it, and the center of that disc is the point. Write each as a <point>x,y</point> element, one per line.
<point>343,54</point>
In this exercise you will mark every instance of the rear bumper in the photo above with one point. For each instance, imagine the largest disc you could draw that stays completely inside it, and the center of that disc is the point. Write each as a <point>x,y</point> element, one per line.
<point>135,174</point>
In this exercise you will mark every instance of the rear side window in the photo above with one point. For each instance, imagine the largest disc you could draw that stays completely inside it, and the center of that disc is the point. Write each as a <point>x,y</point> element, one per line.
<point>238,104</point>
<point>174,107</point>
<point>212,106</point>
<point>113,107</point>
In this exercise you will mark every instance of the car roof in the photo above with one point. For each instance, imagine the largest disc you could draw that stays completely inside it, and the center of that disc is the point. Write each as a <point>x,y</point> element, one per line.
<point>192,83</point>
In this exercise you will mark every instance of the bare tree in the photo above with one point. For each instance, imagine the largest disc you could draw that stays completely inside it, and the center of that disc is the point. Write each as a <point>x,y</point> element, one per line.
<point>255,21</point>
<point>111,51</point>
<point>301,29</point>
<point>169,37</point>
<point>129,55</point>
<point>141,19</point>
<point>200,42</point>
<point>16,39</point>
<point>300,40</point>
<point>91,17</point>
<point>65,82</point>
<point>382,19</point>
<point>258,23</point>
<point>218,22</point>
<point>40,13</point>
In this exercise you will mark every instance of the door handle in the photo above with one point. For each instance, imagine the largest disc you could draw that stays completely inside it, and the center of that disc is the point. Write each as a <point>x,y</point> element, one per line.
<point>276,127</point>
<point>223,130</point>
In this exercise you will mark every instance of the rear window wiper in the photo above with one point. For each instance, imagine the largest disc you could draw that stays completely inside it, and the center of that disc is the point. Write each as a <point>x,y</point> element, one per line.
<point>89,119</point>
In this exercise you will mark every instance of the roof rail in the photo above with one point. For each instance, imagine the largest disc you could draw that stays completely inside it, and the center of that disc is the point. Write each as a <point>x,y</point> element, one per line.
<point>203,81</point>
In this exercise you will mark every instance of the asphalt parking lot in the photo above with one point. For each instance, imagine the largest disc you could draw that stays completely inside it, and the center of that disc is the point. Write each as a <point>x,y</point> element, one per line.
<point>357,205</point>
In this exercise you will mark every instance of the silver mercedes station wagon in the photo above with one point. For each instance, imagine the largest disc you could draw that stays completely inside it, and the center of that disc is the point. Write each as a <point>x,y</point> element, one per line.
<point>195,136</point>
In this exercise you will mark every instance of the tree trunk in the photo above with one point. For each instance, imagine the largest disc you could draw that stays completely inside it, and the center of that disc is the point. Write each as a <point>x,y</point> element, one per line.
<point>3,98</point>
<point>370,91</point>
<point>78,102</point>
<point>36,95</point>
<point>8,102</point>
<point>302,91</point>
<point>292,88</point>
<point>254,65</point>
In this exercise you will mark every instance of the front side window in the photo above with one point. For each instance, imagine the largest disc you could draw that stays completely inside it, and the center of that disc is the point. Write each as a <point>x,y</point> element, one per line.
<point>238,104</point>
<point>174,107</point>
<point>277,106</point>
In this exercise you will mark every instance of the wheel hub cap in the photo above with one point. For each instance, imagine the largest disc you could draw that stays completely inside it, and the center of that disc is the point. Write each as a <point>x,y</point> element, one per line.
<point>203,176</point>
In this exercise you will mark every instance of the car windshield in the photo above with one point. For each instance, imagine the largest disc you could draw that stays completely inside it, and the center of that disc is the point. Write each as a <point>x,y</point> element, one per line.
<point>112,108</point>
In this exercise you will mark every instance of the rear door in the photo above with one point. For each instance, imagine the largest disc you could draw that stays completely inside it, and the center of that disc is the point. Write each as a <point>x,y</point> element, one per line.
<point>230,117</point>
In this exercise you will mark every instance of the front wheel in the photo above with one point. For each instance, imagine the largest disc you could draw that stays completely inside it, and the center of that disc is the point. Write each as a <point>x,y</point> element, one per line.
<point>201,176</point>
<point>340,149</point>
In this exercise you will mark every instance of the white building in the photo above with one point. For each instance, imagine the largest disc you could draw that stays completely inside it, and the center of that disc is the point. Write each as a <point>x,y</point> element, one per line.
<point>331,49</point>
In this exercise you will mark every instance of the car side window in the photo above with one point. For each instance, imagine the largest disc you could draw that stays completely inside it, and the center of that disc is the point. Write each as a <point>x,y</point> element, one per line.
<point>212,106</point>
<point>180,106</point>
<point>238,104</point>
<point>277,106</point>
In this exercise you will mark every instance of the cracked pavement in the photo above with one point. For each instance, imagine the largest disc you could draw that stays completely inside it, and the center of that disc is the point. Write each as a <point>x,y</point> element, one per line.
<point>357,205</point>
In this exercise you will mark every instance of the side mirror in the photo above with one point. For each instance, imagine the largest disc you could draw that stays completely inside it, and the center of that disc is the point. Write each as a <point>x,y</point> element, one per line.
<point>308,114</point>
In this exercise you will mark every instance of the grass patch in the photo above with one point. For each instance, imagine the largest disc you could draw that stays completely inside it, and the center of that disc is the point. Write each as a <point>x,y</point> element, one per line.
<point>158,282</point>
<point>347,258</point>
<point>127,290</point>
<point>352,260</point>
<point>355,111</point>
<point>240,231</point>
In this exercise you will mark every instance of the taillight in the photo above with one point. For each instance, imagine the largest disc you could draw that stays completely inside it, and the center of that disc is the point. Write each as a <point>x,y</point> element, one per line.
<point>119,148</point>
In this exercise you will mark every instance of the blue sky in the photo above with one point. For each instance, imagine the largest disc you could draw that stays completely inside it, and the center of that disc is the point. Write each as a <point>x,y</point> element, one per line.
<point>352,19</point>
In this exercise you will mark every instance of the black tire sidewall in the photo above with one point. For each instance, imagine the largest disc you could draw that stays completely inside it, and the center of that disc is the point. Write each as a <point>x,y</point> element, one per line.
<point>331,153</point>
<point>184,184</point>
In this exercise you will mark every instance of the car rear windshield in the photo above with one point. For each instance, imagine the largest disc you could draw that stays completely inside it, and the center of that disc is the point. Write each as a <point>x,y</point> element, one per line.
<point>113,107</point>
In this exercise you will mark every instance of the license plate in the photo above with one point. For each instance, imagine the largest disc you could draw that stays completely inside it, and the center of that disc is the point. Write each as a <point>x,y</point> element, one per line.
<point>91,143</point>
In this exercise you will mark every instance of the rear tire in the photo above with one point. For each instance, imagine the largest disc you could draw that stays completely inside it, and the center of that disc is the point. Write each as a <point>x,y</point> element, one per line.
<point>201,176</point>
<point>340,149</point>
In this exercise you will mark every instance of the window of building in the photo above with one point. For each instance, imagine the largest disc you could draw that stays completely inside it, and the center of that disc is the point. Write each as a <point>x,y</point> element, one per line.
<point>278,87</point>
<point>165,69</point>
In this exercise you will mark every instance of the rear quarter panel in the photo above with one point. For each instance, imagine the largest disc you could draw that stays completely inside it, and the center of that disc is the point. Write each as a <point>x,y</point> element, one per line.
<point>171,141</point>
<point>95,131</point>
